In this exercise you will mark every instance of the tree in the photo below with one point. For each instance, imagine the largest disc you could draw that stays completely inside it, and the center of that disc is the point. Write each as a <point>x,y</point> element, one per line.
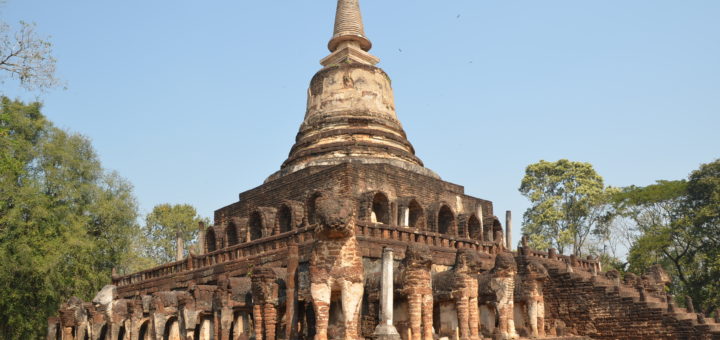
<point>64,221</point>
<point>702,215</point>
<point>27,57</point>
<point>651,234</point>
<point>678,225</point>
<point>569,203</point>
<point>168,226</point>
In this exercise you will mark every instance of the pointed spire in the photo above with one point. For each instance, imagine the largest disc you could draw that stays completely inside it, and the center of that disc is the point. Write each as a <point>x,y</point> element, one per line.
<point>349,43</point>
<point>349,26</point>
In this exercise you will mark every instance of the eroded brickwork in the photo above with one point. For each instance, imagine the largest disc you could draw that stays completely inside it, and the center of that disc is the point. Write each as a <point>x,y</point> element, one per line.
<point>299,257</point>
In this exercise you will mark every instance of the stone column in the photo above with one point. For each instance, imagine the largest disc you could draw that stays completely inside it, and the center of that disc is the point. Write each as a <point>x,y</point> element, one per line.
<point>482,223</point>
<point>508,229</point>
<point>405,217</point>
<point>290,318</point>
<point>180,245</point>
<point>201,238</point>
<point>385,330</point>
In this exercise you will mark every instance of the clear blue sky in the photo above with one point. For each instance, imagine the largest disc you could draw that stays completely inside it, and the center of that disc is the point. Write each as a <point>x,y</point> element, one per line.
<point>196,101</point>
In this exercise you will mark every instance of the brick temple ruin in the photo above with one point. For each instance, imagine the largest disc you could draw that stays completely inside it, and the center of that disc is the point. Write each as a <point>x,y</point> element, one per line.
<point>353,238</point>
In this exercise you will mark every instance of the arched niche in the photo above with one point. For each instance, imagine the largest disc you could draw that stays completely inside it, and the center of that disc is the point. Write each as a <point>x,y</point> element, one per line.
<point>380,209</point>
<point>210,240</point>
<point>242,327</point>
<point>204,331</point>
<point>103,333</point>
<point>172,330</point>
<point>256,225</point>
<point>285,218</point>
<point>231,234</point>
<point>416,216</point>
<point>498,235</point>
<point>474,228</point>
<point>488,229</point>
<point>446,220</point>
<point>144,333</point>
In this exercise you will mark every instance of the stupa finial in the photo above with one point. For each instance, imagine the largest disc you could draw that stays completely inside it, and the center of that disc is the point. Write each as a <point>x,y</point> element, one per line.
<point>349,26</point>
<point>349,43</point>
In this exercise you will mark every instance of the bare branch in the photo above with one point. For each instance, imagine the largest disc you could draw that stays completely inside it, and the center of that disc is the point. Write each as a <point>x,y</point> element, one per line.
<point>27,57</point>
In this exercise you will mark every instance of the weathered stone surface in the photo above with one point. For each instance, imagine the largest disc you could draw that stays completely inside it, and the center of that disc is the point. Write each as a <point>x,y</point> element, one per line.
<point>417,287</point>
<point>336,266</point>
<point>299,256</point>
<point>106,295</point>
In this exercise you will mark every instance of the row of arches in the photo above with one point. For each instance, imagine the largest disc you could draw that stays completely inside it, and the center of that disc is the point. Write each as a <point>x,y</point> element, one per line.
<point>375,207</point>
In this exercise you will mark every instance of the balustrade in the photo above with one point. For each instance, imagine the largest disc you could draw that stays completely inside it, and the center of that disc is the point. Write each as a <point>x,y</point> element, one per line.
<point>260,247</point>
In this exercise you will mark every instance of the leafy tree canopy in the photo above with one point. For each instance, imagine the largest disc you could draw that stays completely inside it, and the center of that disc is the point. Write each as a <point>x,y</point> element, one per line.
<point>569,203</point>
<point>677,224</point>
<point>165,226</point>
<point>64,221</point>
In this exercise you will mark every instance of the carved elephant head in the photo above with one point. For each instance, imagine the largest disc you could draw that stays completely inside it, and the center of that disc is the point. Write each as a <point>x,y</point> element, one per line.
<point>335,216</point>
<point>264,285</point>
<point>418,256</point>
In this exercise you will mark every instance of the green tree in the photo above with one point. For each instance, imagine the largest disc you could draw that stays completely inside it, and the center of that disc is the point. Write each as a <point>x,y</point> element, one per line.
<point>64,221</point>
<point>653,235</point>
<point>678,225</point>
<point>702,215</point>
<point>167,226</point>
<point>569,204</point>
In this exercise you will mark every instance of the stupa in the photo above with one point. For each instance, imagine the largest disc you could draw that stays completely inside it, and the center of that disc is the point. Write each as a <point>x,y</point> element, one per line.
<point>353,238</point>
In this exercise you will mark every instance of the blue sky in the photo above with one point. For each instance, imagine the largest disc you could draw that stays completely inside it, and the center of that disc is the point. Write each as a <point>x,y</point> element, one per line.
<point>196,101</point>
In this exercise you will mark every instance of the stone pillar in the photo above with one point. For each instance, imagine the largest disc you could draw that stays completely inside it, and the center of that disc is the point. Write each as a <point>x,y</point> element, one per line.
<point>385,330</point>
<point>179,245</point>
<point>201,238</point>
<point>689,304</point>
<point>290,319</point>
<point>405,217</point>
<point>508,229</point>
<point>482,223</point>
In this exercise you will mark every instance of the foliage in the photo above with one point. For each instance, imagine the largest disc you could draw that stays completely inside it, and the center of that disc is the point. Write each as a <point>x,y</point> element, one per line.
<point>652,237</point>
<point>702,215</point>
<point>162,228</point>
<point>64,221</point>
<point>677,224</point>
<point>569,204</point>
<point>27,57</point>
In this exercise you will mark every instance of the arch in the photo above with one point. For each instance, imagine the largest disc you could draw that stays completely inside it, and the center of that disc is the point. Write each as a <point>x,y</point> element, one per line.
<point>121,333</point>
<point>144,333</point>
<point>474,228</point>
<point>416,216</point>
<point>498,235</point>
<point>311,211</point>
<point>204,330</point>
<point>172,330</point>
<point>103,333</point>
<point>210,240</point>
<point>256,225</point>
<point>380,209</point>
<point>231,234</point>
<point>446,220</point>
<point>242,325</point>
<point>487,231</point>
<point>285,218</point>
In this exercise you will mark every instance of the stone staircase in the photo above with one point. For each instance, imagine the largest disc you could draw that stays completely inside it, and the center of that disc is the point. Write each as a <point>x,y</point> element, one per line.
<point>634,317</point>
